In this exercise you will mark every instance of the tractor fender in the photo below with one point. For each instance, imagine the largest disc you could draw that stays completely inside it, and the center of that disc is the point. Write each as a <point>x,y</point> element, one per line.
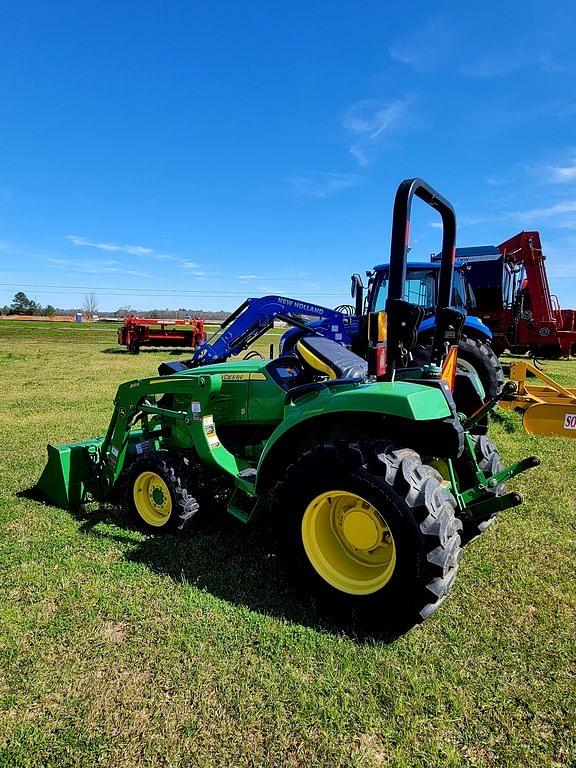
<point>473,327</point>
<point>416,415</point>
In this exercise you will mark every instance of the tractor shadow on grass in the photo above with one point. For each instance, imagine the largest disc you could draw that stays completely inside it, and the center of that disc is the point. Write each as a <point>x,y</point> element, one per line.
<point>230,561</point>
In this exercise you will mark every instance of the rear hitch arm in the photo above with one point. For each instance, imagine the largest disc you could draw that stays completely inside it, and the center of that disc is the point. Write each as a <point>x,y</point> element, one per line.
<point>489,506</point>
<point>473,494</point>
<point>508,391</point>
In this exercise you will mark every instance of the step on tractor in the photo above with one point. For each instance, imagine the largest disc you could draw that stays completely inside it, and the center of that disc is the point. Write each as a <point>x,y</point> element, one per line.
<point>365,469</point>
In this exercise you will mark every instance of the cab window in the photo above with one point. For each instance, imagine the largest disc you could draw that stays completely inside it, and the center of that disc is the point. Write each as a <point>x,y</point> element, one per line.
<point>419,288</point>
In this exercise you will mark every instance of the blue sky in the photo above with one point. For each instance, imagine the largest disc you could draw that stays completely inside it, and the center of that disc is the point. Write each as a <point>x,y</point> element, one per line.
<point>191,154</point>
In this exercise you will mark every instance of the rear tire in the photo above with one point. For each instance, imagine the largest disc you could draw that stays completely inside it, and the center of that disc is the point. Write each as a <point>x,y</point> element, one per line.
<point>480,356</point>
<point>369,529</point>
<point>473,355</point>
<point>156,492</point>
<point>133,347</point>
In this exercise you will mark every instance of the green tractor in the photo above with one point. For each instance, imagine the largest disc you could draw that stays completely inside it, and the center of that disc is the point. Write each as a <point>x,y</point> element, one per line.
<point>367,470</point>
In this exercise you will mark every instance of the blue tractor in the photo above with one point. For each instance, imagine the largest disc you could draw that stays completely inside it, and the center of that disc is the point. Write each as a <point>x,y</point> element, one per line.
<point>475,353</point>
<point>421,287</point>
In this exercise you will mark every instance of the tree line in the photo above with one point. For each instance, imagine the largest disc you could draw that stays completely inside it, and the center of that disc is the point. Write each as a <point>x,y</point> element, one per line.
<point>22,305</point>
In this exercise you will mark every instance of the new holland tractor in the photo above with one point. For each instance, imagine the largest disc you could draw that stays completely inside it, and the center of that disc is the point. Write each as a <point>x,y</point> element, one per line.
<point>365,468</point>
<point>475,353</point>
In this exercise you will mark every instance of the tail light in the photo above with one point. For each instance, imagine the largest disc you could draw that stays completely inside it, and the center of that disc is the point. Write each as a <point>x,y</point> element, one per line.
<point>378,348</point>
<point>381,354</point>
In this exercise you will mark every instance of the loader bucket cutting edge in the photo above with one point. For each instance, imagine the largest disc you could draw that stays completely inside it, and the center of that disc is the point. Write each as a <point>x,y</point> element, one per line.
<point>63,481</point>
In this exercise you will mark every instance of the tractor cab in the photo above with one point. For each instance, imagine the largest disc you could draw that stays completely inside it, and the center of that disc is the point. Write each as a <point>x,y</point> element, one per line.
<point>420,287</point>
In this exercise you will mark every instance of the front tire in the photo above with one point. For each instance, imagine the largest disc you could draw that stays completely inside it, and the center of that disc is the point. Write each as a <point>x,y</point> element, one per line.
<point>156,492</point>
<point>368,528</point>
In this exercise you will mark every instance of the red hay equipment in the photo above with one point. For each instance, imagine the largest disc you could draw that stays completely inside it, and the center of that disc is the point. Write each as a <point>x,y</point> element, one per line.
<point>145,332</point>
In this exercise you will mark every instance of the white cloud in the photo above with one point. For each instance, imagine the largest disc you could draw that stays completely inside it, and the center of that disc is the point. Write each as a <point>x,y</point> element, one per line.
<point>372,117</point>
<point>494,65</point>
<point>466,221</point>
<point>250,277</point>
<point>424,47</point>
<point>89,267</point>
<point>568,206</point>
<point>551,66</point>
<point>321,185</point>
<point>506,62</point>
<point>557,174</point>
<point>371,121</point>
<point>494,181</point>
<point>134,250</point>
<point>167,257</point>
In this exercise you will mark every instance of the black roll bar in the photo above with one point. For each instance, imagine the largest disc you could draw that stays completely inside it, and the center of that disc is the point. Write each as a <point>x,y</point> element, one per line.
<point>401,236</point>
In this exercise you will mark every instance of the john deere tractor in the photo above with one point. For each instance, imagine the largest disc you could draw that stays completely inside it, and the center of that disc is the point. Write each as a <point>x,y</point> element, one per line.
<point>365,468</point>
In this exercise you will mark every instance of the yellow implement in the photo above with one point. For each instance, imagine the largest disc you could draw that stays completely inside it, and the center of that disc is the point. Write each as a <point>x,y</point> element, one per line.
<point>549,408</point>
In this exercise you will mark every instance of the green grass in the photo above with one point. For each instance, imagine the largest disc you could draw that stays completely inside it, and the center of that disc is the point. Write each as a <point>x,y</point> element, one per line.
<point>121,649</point>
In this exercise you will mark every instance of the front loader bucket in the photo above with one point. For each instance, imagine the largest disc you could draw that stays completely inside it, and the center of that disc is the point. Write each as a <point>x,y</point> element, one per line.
<point>68,471</point>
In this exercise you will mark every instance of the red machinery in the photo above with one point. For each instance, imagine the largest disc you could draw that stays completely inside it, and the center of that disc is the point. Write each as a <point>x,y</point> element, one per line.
<point>513,298</point>
<point>140,332</point>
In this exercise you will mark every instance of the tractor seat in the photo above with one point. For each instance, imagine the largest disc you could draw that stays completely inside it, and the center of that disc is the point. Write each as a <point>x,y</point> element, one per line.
<point>330,358</point>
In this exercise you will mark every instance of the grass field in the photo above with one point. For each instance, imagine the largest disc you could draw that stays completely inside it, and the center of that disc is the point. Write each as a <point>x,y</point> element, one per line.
<point>121,649</point>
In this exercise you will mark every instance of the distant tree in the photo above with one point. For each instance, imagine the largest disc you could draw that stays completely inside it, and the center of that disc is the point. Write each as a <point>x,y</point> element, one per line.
<point>22,305</point>
<point>90,305</point>
<point>123,311</point>
<point>49,310</point>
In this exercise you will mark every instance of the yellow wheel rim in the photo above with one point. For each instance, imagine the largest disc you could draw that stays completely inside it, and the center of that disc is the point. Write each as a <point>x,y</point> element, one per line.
<point>152,499</point>
<point>348,542</point>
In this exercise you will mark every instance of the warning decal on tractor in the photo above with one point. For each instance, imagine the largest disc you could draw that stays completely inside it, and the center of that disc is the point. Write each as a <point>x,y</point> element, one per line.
<point>570,421</point>
<point>210,431</point>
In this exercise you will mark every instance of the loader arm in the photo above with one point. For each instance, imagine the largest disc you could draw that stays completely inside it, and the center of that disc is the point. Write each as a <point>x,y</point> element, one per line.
<point>251,320</point>
<point>136,402</point>
<point>525,249</point>
<point>88,470</point>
